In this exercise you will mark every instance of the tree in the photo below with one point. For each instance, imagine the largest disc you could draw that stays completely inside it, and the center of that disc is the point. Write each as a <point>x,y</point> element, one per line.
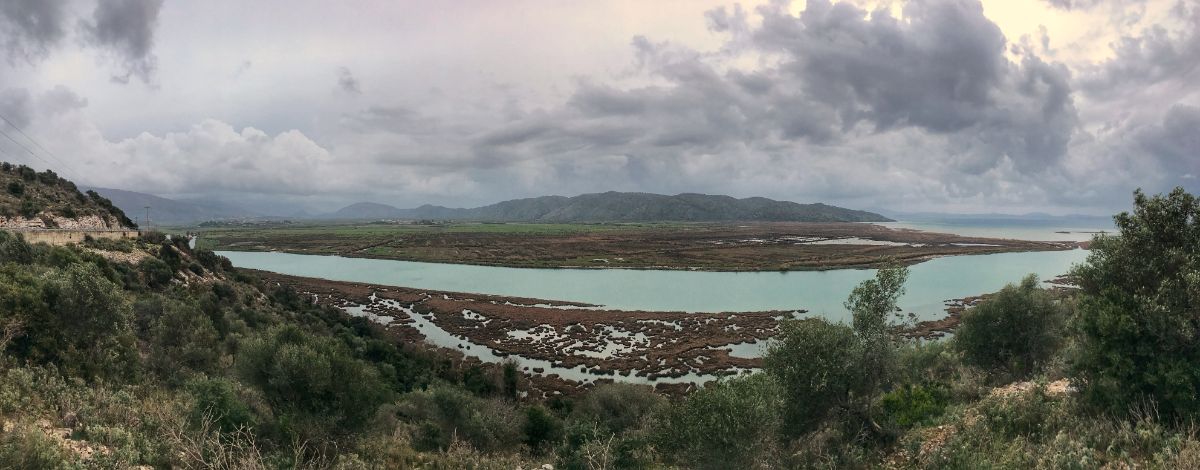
<point>14,249</point>
<point>827,369</point>
<point>872,305</point>
<point>618,407</point>
<point>76,319</point>
<point>312,379</point>
<point>155,272</point>
<point>1138,321</point>
<point>729,424</point>
<point>1012,333</point>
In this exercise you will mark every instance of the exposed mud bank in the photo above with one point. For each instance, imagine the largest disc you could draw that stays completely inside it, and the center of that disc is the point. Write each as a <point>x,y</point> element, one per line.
<point>561,346</point>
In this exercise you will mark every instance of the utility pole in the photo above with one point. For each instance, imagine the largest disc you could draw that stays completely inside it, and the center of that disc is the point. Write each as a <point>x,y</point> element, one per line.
<point>147,217</point>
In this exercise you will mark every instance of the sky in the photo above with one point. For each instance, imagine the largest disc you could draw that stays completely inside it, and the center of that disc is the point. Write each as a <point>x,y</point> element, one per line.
<point>1058,106</point>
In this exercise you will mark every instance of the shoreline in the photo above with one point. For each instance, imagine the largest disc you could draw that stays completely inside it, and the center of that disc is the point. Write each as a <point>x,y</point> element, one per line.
<point>564,347</point>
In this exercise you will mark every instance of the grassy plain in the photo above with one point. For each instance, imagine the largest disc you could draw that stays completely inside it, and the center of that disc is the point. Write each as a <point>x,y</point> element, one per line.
<point>716,247</point>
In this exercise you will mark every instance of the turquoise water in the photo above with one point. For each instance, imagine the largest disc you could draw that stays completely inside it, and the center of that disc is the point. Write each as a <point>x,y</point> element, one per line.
<point>820,292</point>
<point>1028,231</point>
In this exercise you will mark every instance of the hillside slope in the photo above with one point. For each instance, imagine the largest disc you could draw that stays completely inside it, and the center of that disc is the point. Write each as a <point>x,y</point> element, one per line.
<point>169,211</point>
<point>624,207</point>
<point>29,199</point>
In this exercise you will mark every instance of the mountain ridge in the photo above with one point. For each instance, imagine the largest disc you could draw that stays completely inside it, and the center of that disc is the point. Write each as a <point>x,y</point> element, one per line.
<point>613,206</point>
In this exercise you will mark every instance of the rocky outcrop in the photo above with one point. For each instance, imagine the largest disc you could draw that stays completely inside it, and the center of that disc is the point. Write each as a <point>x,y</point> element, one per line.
<point>46,220</point>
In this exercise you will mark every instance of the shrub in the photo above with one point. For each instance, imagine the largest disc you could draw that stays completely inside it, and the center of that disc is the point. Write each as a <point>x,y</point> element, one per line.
<point>27,173</point>
<point>730,424</point>
<point>27,447</point>
<point>217,401</point>
<point>912,405</point>
<point>817,364</point>
<point>1012,333</point>
<point>48,177</point>
<point>312,379</point>
<point>443,412</point>
<point>184,339</point>
<point>155,272</point>
<point>1137,318</point>
<point>88,331</point>
<point>152,237</point>
<point>170,255</point>
<point>542,428</point>
<point>29,209</point>
<point>618,407</point>
<point>14,249</point>
<point>16,188</point>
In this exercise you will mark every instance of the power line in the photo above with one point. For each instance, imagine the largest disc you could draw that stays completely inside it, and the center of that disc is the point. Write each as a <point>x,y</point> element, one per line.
<point>35,155</point>
<point>39,145</point>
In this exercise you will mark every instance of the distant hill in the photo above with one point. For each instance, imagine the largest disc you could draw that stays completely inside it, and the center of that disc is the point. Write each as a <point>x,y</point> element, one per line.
<point>622,207</point>
<point>367,210</point>
<point>44,200</point>
<point>165,211</point>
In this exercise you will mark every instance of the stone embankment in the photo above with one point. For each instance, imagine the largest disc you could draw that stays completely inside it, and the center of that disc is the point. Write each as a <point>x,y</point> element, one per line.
<point>58,230</point>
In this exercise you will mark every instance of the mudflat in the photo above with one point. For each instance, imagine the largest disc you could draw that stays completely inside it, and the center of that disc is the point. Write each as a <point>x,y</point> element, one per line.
<point>697,246</point>
<point>674,351</point>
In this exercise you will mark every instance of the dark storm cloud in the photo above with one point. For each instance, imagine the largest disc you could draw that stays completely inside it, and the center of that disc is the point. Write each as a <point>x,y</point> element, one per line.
<point>16,105</point>
<point>942,72</point>
<point>30,28</point>
<point>347,82</point>
<point>126,29</point>
<point>1175,143</point>
<point>60,100</point>
<point>1155,56</point>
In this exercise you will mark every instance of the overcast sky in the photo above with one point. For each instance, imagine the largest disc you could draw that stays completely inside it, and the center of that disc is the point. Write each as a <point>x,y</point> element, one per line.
<point>1061,106</point>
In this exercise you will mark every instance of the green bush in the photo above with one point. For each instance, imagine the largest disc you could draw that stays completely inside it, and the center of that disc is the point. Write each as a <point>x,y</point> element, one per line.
<point>313,380</point>
<point>1137,310</point>
<point>217,401</point>
<point>14,249</point>
<point>29,209</point>
<point>818,365</point>
<point>170,255</point>
<point>618,407</point>
<point>74,318</point>
<point>16,188</point>
<point>542,428</point>
<point>442,413</point>
<point>184,340</point>
<point>730,424</point>
<point>912,405</point>
<point>826,368</point>
<point>29,448</point>
<point>155,272</point>
<point>153,237</point>
<point>1013,333</point>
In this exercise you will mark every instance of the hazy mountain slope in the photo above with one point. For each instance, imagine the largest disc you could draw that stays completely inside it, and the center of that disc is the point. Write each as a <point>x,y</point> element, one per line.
<point>165,211</point>
<point>624,207</point>
<point>368,210</point>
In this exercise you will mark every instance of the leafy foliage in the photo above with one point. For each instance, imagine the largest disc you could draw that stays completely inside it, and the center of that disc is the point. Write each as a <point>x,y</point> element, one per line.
<point>1139,309</point>
<point>1032,325</point>
<point>828,368</point>
<point>313,380</point>
<point>730,424</point>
